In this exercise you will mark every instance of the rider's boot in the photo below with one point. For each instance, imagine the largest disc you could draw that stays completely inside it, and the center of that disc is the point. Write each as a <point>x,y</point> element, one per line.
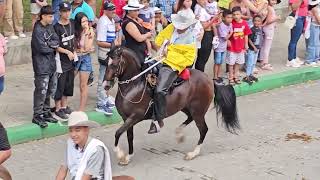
<point>159,113</point>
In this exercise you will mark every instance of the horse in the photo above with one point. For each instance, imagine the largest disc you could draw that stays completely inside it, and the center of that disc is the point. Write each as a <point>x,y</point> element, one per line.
<point>193,97</point>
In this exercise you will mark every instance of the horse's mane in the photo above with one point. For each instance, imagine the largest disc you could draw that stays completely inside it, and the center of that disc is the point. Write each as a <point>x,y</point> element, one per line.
<point>127,53</point>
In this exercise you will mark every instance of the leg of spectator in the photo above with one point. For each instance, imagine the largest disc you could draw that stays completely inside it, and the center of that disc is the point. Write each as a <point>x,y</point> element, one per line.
<point>55,7</point>
<point>1,84</point>
<point>84,76</point>
<point>7,22</point>
<point>4,173</point>
<point>311,50</point>
<point>102,97</point>
<point>296,32</point>
<point>266,45</point>
<point>249,62</point>
<point>18,15</point>
<point>40,93</point>
<point>51,83</point>
<point>317,42</point>
<point>204,51</point>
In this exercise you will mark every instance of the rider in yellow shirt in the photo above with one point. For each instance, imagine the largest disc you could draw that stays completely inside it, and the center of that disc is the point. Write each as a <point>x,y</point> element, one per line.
<point>181,53</point>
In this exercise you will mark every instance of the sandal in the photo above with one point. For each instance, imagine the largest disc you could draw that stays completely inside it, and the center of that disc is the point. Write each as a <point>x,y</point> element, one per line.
<point>248,80</point>
<point>232,82</point>
<point>237,81</point>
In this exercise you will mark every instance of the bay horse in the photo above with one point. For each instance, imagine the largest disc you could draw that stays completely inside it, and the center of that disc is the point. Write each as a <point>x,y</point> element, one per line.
<point>193,98</point>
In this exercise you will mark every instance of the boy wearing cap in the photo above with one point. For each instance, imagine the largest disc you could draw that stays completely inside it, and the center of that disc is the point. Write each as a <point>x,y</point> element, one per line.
<point>106,38</point>
<point>65,30</point>
<point>44,42</point>
<point>86,158</point>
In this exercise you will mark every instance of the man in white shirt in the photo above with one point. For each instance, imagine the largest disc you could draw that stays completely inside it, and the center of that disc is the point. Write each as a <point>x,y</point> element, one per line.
<point>86,158</point>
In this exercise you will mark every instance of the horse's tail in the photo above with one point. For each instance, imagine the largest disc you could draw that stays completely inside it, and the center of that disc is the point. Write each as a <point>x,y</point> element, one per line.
<point>226,105</point>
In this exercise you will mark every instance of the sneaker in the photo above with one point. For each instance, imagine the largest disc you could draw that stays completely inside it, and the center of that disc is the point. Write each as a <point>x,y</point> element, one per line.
<point>312,64</point>
<point>267,67</point>
<point>110,103</point>
<point>104,109</point>
<point>13,37</point>
<point>38,120</point>
<point>22,35</point>
<point>219,81</point>
<point>90,80</point>
<point>67,110</point>
<point>293,64</point>
<point>248,80</point>
<point>61,114</point>
<point>49,118</point>
<point>253,78</point>
<point>299,61</point>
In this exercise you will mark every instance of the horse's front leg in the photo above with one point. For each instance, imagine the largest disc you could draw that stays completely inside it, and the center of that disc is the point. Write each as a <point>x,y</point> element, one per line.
<point>127,126</point>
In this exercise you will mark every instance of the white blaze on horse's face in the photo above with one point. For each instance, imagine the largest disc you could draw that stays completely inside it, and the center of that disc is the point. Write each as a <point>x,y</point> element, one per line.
<point>110,61</point>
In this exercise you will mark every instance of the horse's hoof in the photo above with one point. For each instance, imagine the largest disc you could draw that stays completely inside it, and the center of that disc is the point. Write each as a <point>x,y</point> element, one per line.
<point>189,156</point>
<point>124,161</point>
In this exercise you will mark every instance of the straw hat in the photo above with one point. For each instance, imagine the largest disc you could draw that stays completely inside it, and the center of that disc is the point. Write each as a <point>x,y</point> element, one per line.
<point>183,19</point>
<point>133,5</point>
<point>79,118</point>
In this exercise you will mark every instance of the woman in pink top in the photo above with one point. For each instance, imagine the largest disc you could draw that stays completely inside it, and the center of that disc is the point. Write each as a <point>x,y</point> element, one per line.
<point>299,8</point>
<point>268,31</point>
<point>3,50</point>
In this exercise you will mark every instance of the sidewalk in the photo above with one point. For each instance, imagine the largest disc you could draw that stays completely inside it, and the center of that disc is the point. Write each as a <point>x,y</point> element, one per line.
<point>16,101</point>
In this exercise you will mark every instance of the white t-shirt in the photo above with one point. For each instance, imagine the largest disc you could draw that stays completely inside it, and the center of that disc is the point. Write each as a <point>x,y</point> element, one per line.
<point>212,8</point>
<point>202,13</point>
<point>198,28</point>
<point>106,32</point>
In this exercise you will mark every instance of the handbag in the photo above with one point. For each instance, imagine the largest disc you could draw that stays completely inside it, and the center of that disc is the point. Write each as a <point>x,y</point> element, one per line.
<point>291,20</point>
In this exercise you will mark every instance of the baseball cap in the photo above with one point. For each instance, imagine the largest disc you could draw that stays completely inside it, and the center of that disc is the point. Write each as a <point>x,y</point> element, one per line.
<point>109,6</point>
<point>65,6</point>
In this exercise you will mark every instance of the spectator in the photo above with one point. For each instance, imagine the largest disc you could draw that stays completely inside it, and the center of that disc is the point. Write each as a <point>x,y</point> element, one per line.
<point>44,42</point>
<point>84,36</point>
<point>5,153</point>
<point>255,39</point>
<point>106,38</point>
<point>55,7</point>
<point>35,7</point>
<point>13,19</point>
<point>86,157</point>
<point>166,7</point>
<point>300,9</point>
<point>134,33</point>
<point>92,4</point>
<point>268,33</point>
<point>82,6</point>
<point>146,14</point>
<point>244,9</point>
<point>119,5</point>
<point>66,52</point>
<point>313,50</point>
<point>224,33</point>
<point>158,19</point>
<point>206,42</point>
<point>238,44</point>
<point>3,51</point>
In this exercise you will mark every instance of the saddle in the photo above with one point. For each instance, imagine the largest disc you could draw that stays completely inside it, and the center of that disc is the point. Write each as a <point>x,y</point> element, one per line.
<point>154,72</point>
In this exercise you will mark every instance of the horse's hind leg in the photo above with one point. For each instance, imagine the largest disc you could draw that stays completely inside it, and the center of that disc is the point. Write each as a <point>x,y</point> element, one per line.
<point>179,131</point>
<point>203,129</point>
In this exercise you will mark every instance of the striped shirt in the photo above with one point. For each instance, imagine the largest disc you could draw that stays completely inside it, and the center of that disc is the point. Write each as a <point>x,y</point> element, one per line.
<point>106,32</point>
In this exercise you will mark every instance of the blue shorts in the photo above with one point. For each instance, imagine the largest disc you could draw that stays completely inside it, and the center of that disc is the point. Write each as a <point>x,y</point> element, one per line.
<point>1,84</point>
<point>84,63</point>
<point>219,57</point>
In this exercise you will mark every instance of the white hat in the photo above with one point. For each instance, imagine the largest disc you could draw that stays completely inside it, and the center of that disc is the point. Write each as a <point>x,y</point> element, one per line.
<point>133,5</point>
<point>314,2</point>
<point>157,10</point>
<point>79,118</point>
<point>183,19</point>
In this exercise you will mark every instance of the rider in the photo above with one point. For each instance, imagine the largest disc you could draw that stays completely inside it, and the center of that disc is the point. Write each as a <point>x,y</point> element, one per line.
<point>181,53</point>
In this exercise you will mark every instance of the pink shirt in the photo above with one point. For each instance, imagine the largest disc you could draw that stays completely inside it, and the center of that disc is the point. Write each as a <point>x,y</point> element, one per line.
<point>303,9</point>
<point>2,51</point>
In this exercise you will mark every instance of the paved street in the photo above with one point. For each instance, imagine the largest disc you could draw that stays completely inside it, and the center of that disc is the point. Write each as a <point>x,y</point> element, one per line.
<point>259,152</point>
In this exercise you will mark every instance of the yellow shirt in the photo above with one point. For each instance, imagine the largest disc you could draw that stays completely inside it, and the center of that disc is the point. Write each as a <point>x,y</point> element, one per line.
<point>179,56</point>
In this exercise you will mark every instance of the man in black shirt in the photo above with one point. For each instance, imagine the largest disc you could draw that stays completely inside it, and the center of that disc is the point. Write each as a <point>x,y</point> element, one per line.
<point>65,30</point>
<point>44,42</point>
<point>5,153</point>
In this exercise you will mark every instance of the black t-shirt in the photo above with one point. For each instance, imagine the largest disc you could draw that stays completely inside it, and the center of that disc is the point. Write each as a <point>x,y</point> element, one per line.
<point>66,37</point>
<point>255,37</point>
<point>4,143</point>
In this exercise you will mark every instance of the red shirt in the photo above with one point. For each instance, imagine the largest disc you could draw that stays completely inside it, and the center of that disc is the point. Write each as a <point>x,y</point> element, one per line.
<point>240,30</point>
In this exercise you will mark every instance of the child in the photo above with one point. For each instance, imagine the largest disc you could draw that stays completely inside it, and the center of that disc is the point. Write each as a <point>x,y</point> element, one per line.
<point>3,51</point>
<point>253,51</point>
<point>35,7</point>
<point>224,33</point>
<point>268,31</point>
<point>158,20</point>
<point>237,45</point>
<point>146,14</point>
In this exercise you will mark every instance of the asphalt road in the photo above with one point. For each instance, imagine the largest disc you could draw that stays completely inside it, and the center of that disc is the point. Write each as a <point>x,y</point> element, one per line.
<point>259,152</point>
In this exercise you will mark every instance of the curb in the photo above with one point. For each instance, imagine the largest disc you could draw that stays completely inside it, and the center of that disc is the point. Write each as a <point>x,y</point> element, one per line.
<point>30,132</point>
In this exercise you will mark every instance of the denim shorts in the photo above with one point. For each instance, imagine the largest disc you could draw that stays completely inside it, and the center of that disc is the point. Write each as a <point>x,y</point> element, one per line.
<point>219,57</point>
<point>84,63</point>
<point>1,84</point>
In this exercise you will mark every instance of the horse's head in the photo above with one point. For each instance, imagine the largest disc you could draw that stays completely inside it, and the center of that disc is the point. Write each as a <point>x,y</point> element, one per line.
<point>114,59</point>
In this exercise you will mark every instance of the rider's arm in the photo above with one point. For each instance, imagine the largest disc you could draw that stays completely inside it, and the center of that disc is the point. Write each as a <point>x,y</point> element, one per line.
<point>134,32</point>
<point>62,173</point>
